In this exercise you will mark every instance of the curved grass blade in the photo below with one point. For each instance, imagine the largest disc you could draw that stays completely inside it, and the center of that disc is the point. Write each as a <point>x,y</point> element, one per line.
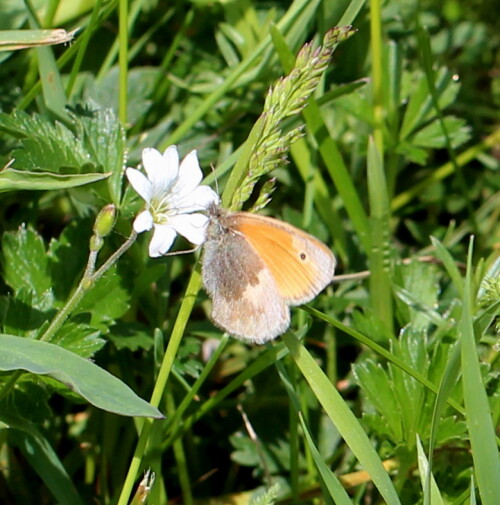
<point>345,421</point>
<point>331,482</point>
<point>43,459</point>
<point>477,409</point>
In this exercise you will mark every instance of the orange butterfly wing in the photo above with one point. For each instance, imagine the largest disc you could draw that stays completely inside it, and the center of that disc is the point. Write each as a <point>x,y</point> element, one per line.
<point>300,264</point>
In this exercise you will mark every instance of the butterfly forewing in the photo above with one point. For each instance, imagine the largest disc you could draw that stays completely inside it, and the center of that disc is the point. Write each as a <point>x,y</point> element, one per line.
<point>300,264</point>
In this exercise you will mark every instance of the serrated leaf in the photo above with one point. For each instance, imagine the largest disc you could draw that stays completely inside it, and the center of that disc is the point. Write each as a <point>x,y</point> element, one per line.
<point>357,105</point>
<point>20,317</point>
<point>95,144</point>
<point>413,153</point>
<point>25,265</point>
<point>79,338</point>
<point>377,386</point>
<point>104,138</point>
<point>68,256</point>
<point>244,452</point>
<point>420,107</point>
<point>432,135</point>
<point>409,393</point>
<point>449,429</point>
<point>132,336</point>
<point>46,146</point>
<point>421,287</point>
<point>419,296</point>
<point>97,386</point>
<point>106,301</point>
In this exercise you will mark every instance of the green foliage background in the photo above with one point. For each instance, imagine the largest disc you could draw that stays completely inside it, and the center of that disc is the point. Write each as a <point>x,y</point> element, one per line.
<point>386,387</point>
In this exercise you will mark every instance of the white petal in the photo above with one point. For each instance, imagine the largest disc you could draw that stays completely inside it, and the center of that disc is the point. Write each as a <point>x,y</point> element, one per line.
<point>171,160</point>
<point>140,183</point>
<point>190,175</point>
<point>143,221</point>
<point>197,200</point>
<point>162,240</point>
<point>191,226</point>
<point>163,169</point>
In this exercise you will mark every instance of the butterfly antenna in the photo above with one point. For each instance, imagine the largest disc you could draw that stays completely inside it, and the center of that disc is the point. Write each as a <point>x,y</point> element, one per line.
<point>216,181</point>
<point>177,253</point>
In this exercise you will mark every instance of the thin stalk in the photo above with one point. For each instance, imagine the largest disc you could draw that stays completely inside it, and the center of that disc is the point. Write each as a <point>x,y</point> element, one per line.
<point>180,458</point>
<point>377,73</point>
<point>166,366</point>
<point>89,278</point>
<point>123,60</point>
<point>9,385</point>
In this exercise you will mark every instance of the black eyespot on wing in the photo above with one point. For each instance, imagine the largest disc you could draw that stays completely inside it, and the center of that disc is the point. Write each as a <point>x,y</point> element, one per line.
<point>303,256</point>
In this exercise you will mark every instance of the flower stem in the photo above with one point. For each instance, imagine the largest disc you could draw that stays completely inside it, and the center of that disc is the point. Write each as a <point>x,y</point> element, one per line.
<point>90,277</point>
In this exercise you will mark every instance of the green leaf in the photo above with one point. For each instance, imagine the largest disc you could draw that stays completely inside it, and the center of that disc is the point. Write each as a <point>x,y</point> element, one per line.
<point>414,407</point>
<point>68,255</point>
<point>25,265</point>
<point>21,39</point>
<point>15,180</point>
<point>450,429</point>
<point>30,401</point>
<point>132,336</point>
<point>379,389</point>
<point>478,414</point>
<point>449,263</point>
<point>330,480</point>
<point>95,144</point>
<point>20,317</point>
<point>420,107</point>
<point>45,146</point>
<point>50,77</point>
<point>423,466</point>
<point>97,386</point>
<point>343,418</point>
<point>104,139</point>
<point>81,339</point>
<point>381,248</point>
<point>419,296</point>
<point>432,135</point>
<point>42,457</point>
<point>245,452</point>
<point>106,301</point>
<point>413,153</point>
<point>140,85</point>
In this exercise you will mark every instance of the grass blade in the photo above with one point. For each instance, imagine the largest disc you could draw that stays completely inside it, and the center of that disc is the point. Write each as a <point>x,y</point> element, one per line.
<point>478,415</point>
<point>345,421</point>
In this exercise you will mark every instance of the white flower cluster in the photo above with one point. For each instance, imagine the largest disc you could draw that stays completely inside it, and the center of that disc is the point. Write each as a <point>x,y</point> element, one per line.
<point>174,198</point>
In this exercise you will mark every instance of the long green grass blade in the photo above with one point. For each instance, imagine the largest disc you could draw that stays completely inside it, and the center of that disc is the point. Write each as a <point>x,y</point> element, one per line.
<point>332,484</point>
<point>380,236</point>
<point>11,40</point>
<point>343,418</point>
<point>477,409</point>
<point>426,478</point>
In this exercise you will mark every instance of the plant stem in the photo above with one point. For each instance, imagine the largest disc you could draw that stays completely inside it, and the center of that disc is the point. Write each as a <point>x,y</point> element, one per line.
<point>89,278</point>
<point>161,382</point>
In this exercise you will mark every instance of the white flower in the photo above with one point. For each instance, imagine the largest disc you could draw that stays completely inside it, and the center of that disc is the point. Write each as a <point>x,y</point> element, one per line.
<point>174,198</point>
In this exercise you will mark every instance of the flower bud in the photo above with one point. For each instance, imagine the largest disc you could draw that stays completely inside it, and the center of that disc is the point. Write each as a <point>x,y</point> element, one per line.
<point>105,221</point>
